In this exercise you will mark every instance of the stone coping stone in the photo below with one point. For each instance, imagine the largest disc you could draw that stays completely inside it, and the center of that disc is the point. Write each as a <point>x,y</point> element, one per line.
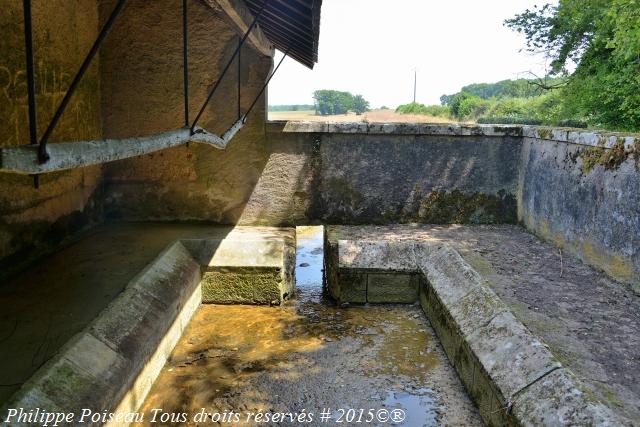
<point>372,272</point>
<point>376,255</point>
<point>564,404</point>
<point>444,129</point>
<point>213,253</point>
<point>510,373</point>
<point>590,138</point>
<point>593,138</point>
<point>112,364</point>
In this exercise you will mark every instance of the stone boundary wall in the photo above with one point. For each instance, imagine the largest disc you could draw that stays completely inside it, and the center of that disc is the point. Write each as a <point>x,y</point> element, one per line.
<point>581,191</point>
<point>359,173</point>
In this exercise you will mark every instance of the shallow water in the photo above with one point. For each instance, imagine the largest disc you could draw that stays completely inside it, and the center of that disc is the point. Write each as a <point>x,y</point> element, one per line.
<point>309,356</point>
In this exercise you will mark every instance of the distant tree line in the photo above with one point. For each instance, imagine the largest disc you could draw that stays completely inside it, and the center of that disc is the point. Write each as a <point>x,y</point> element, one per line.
<point>520,88</point>
<point>295,107</point>
<point>519,101</point>
<point>427,110</point>
<point>332,102</point>
<point>602,39</point>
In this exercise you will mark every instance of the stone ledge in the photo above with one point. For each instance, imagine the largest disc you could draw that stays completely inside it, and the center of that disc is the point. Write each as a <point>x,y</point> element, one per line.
<point>567,135</point>
<point>112,364</point>
<point>393,128</point>
<point>372,272</point>
<point>562,401</point>
<point>581,137</point>
<point>246,268</point>
<point>119,351</point>
<point>511,375</point>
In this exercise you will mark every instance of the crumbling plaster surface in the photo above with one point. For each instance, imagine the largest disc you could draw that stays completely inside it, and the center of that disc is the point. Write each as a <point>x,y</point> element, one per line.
<point>34,221</point>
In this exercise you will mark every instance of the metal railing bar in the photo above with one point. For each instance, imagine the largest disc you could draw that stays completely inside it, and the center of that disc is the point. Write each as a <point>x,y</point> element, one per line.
<point>244,119</point>
<point>31,79</point>
<point>226,68</point>
<point>185,54</point>
<point>239,80</point>
<point>42,151</point>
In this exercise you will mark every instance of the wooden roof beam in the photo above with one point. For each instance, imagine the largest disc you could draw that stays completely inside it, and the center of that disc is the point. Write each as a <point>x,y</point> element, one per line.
<point>240,17</point>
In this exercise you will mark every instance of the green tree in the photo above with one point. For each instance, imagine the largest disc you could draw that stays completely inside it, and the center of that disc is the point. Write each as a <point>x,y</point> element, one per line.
<point>466,105</point>
<point>603,38</point>
<point>521,88</point>
<point>360,105</point>
<point>331,102</point>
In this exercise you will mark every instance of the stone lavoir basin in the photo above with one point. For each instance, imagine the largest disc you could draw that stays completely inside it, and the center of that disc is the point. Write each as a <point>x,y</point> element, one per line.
<point>273,326</point>
<point>309,356</point>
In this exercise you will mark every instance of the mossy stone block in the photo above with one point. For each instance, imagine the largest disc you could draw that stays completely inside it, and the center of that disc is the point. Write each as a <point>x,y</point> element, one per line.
<point>353,288</point>
<point>237,285</point>
<point>392,288</point>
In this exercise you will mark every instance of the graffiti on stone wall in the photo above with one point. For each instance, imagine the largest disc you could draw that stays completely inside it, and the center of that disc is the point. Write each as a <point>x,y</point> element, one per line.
<point>79,121</point>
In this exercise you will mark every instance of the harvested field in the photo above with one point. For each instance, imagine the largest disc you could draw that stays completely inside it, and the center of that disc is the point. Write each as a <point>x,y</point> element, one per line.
<point>373,116</point>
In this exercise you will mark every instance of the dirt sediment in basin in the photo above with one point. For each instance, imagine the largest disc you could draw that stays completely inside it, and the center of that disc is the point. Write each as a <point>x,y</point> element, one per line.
<point>310,355</point>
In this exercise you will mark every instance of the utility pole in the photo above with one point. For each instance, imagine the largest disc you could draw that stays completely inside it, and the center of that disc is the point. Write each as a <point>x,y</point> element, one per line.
<point>415,84</point>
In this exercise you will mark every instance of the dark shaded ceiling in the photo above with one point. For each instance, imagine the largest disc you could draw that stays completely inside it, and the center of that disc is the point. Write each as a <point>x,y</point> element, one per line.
<point>293,26</point>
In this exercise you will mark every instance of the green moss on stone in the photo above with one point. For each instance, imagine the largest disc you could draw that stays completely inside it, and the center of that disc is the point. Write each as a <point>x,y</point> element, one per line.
<point>545,133</point>
<point>610,159</point>
<point>66,381</point>
<point>341,189</point>
<point>441,207</point>
<point>242,286</point>
<point>609,395</point>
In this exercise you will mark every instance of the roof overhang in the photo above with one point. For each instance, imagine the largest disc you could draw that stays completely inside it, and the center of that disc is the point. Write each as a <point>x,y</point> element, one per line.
<point>238,14</point>
<point>293,26</point>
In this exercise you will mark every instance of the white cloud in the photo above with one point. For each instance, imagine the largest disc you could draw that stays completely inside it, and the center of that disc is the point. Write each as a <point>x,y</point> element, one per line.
<point>371,47</point>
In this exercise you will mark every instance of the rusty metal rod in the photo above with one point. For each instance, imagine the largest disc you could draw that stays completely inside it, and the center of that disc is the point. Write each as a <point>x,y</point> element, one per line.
<point>42,151</point>
<point>185,53</point>
<point>239,80</point>
<point>31,79</point>
<point>244,119</point>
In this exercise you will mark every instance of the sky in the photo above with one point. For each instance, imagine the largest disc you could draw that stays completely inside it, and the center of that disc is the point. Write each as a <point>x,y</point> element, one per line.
<point>372,47</point>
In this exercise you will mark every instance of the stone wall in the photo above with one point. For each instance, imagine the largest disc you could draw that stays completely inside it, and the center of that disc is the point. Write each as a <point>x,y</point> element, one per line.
<point>134,87</point>
<point>376,174</point>
<point>33,221</point>
<point>582,192</point>
<point>143,95</point>
<point>309,174</point>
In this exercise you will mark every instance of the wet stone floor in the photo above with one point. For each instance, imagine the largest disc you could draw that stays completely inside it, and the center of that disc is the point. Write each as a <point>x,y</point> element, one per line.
<point>245,365</point>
